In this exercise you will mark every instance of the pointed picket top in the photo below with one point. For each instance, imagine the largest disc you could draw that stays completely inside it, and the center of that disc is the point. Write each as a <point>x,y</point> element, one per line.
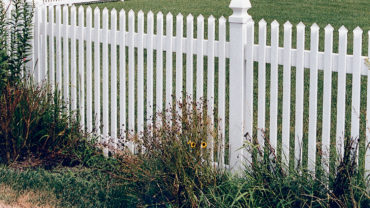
<point>131,12</point>
<point>250,23</point>
<point>65,7</point>
<point>150,13</point>
<point>357,31</point>
<point>113,11</point>
<point>189,17</point>
<point>211,18</point>
<point>301,25</point>
<point>262,22</point>
<point>140,14</point>
<point>288,25</point>
<point>329,28</point>
<point>73,9</point>
<point>96,10</point>
<point>222,20</point>
<point>200,18</point>
<point>343,29</point>
<point>160,15</point>
<point>274,23</point>
<point>88,10</point>
<point>169,15</point>
<point>179,16</point>
<point>122,12</point>
<point>315,27</point>
<point>80,9</point>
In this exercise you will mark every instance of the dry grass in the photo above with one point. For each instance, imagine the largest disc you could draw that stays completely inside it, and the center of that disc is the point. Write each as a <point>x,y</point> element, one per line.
<point>10,198</point>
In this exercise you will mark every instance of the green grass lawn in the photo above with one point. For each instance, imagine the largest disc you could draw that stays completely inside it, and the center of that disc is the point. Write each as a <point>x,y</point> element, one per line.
<point>350,13</point>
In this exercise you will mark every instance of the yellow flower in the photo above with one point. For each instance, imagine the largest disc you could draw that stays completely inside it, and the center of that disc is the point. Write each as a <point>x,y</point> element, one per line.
<point>189,142</point>
<point>204,145</point>
<point>192,144</point>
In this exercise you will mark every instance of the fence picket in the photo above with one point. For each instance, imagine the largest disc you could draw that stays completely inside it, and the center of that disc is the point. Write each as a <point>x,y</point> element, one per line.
<point>89,125</point>
<point>200,59</point>
<point>298,144</point>
<point>36,46</point>
<point>367,141</point>
<point>222,90</point>
<point>44,65</point>
<point>140,75</point>
<point>73,60</point>
<point>131,74</point>
<point>159,65</point>
<point>179,63</point>
<point>169,63</point>
<point>211,80</point>
<point>356,86</point>
<point>261,117</point>
<point>312,126</point>
<point>150,51</point>
<point>285,142</point>
<point>189,55</point>
<point>341,97</point>
<point>248,84</point>
<point>122,72</point>
<point>113,78</point>
<point>66,57</point>
<point>326,112</point>
<point>105,59</point>
<point>58,48</point>
<point>274,83</point>
<point>97,110</point>
<point>81,66</point>
<point>51,48</point>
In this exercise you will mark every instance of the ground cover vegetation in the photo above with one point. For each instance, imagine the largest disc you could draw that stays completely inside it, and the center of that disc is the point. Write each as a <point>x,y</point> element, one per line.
<point>44,151</point>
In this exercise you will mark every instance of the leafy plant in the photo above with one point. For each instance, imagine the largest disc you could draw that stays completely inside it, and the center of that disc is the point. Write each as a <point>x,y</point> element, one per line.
<point>15,45</point>
<point>34,122</point>
<point>174,164</point>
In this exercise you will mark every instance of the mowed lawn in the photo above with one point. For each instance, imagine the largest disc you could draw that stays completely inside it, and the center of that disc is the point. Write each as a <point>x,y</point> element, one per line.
<point>350,13</point>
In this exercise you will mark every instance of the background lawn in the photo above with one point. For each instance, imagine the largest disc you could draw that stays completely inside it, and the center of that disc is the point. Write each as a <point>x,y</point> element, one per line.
<point>350,13</point>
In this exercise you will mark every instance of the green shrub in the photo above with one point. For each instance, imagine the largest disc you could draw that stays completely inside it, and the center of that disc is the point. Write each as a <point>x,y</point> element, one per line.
<point>15,41</point>
<point>268,183</point>
<point>174,165</point>
<point>34,122</point>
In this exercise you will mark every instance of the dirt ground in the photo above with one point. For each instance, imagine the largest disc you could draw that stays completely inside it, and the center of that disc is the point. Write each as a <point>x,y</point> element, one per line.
<point>29,199</point>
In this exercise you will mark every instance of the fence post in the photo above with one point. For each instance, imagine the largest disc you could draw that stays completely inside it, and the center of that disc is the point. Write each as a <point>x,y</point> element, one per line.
<point>238,22</point>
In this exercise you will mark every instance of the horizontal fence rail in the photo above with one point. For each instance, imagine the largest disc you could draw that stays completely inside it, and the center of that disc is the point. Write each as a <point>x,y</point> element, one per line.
<point>117,69</point>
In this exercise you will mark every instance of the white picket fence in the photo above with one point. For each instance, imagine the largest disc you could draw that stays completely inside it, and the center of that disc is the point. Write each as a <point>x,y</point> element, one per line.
<point>66,2</point>
<point>73,56</point>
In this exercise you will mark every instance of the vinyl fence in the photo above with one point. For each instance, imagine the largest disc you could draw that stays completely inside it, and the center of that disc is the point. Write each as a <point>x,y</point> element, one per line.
<point>68,2</point>
<point>255,90</point>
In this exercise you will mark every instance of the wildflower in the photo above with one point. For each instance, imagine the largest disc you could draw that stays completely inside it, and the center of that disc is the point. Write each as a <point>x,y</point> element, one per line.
<point>192,144</point>
<point>189,142</point>
<point>204,145</point>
